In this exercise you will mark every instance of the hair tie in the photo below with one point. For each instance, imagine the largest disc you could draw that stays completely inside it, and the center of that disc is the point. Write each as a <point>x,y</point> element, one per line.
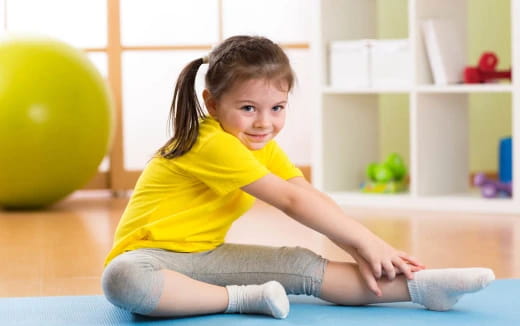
<point>205,59</point>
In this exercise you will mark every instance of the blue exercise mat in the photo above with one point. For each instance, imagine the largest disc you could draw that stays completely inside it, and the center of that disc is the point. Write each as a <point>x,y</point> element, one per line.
<point>496,305</point>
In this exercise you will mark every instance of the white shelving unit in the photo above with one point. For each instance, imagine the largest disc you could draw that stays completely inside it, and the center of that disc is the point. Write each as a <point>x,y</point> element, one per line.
<point>346,121</point>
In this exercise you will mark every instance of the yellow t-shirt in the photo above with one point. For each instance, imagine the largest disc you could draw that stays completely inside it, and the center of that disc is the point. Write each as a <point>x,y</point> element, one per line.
<point>188,203</point>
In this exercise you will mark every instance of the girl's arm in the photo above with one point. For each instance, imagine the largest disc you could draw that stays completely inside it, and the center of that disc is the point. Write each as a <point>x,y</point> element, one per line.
<point>298,199</point>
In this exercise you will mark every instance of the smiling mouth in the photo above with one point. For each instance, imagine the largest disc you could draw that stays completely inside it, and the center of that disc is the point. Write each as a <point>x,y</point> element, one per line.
<point>257,137</point>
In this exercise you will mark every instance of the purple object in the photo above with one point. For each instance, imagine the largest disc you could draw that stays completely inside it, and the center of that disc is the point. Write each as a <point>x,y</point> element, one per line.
<point>492,188</point>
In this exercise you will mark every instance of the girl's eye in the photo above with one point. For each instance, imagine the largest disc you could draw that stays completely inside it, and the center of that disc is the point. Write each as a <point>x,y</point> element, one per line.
<point>277,108</point>
<point>248,108</point>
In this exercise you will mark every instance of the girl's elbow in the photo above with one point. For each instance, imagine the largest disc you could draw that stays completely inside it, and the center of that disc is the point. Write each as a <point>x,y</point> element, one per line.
<point>293,204</point>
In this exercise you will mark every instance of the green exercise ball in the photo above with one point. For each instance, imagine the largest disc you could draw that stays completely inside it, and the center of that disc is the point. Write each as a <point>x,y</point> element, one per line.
<point>56,121</point>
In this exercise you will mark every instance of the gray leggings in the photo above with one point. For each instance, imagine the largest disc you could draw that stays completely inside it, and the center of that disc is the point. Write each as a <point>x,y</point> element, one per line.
<point>133,280</point>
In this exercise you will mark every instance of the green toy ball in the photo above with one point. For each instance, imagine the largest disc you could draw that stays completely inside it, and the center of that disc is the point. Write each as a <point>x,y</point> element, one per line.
<point>370,171</point>
<point>383,173</point>
<point>396,163</point>
<point>56,121</point>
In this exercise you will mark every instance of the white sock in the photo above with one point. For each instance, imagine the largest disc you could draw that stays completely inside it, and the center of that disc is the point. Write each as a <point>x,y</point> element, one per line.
<point>440,289</point>
<point>268,299</point>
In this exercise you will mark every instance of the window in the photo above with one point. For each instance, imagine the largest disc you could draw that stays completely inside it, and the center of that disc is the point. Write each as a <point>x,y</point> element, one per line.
<point>140,46</point>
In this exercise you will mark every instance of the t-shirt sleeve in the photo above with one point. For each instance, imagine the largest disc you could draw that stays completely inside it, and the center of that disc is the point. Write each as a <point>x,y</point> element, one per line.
<point>223,163</point>
<point>279,163</point>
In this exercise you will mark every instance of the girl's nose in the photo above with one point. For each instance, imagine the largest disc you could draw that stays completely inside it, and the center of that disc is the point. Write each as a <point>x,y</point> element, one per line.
<point>261,121</point>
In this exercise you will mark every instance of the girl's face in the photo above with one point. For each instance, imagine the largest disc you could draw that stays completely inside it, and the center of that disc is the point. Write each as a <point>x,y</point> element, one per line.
<point>253,111</point>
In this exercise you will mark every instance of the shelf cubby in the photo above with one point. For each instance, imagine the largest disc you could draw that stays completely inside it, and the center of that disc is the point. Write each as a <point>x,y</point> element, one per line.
<point>351,127</point>
<point>347,122</point>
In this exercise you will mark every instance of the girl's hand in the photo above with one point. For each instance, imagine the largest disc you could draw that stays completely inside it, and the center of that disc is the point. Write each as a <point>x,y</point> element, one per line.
<point>376,259</point>
<point>414,264</point>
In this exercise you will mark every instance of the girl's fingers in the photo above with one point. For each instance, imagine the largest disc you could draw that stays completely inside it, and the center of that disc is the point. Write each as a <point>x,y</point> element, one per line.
<point>370,280</point>
<point>389,270</point>
<point>377,270</point>
<point>405,268</point>
<point>412,268</point>
<point>372,285</point>
<point>411,260</point>
<point>415,268</point>
<point>367,274</point>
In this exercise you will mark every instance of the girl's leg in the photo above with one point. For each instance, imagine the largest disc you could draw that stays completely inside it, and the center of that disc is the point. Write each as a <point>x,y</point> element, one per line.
<point>156,282</point>
<point>161,283</point>
<point>344,285</point>
<point>139,281</point>
<point>299,270</point>
<point>435,289</point>
<point>240,278</point>
<point>184,296</point>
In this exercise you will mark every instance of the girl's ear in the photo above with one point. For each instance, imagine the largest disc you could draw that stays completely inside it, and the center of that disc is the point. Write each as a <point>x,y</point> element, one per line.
<point>210,103</point>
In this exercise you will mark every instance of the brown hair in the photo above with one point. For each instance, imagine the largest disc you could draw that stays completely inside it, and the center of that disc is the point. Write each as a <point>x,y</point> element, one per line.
<point>236,59</point>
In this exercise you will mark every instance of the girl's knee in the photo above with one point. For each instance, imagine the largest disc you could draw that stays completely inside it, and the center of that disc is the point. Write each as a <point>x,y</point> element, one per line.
<point>132,285</point>
<point>307,267</point>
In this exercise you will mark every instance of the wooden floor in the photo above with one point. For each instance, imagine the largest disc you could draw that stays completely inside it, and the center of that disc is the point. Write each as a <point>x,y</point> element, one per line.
<point>60,251</point>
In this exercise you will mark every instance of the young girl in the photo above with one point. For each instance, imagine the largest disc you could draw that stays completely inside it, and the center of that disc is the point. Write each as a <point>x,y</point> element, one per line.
<point>169,257</point>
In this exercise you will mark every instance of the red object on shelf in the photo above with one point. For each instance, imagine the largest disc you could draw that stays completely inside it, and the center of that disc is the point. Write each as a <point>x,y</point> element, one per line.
<point>486,70</point>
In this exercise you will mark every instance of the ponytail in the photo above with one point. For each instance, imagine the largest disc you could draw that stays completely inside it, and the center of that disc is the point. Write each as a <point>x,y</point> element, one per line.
<point>185,113</point>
